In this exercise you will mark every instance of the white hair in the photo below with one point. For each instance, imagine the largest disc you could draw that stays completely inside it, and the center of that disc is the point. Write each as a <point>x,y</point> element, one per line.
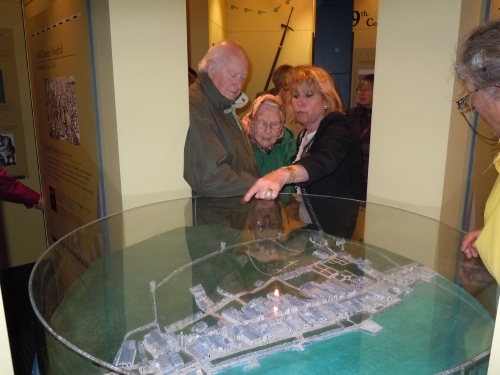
<point>478,59</point>
<point>218,53</point>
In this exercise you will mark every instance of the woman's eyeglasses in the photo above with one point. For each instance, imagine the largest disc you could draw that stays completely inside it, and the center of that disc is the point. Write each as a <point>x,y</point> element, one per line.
<point>465,104</point>
<point>263,125</point>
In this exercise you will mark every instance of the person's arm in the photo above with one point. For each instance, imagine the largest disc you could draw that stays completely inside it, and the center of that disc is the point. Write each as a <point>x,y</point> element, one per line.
<point>274,182</point>
<point>40,205</point>
<point>469,243</point>
<point>13,191</point>
<point>207,164</point>
<point>329,149</point>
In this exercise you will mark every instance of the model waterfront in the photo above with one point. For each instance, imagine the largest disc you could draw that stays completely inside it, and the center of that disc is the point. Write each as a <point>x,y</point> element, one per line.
<point>175,290</point>
<point>308,297</point>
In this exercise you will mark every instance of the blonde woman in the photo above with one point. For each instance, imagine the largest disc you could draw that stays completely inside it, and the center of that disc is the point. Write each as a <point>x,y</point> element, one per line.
<point>329,160</point>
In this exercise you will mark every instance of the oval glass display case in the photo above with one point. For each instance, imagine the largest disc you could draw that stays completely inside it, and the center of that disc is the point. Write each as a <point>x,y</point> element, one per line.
<point>308,285</point>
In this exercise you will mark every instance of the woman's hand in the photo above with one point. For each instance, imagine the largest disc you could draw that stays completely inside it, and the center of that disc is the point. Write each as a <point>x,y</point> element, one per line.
<point>469,243</point>
<point>269,186</point>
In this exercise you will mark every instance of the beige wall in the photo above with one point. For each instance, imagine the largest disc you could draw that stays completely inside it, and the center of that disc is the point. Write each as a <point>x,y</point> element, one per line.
<point>260,36</point>
<point>144,116</point>
<point>197,28</point>
<point>206,25</point>
<point>22,230</point>
<point>210,21</point>
<point>413,101</point>
<point>217,22</point>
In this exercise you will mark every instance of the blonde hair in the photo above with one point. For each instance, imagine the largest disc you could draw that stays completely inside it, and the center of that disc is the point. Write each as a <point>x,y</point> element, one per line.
<point>317,80</point>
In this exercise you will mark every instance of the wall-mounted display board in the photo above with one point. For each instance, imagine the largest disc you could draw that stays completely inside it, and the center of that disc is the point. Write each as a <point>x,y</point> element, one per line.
<point>63,99</point>
<point>12,147</point>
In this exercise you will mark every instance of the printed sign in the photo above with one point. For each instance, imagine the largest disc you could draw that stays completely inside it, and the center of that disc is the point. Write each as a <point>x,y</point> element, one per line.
<point>63,100</point>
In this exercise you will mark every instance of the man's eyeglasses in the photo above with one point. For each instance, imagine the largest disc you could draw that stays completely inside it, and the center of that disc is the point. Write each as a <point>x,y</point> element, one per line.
<point>263,125</point>
<point>465,104</point>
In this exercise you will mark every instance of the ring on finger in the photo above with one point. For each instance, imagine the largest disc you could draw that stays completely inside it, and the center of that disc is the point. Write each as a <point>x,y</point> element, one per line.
<point>269,192</point>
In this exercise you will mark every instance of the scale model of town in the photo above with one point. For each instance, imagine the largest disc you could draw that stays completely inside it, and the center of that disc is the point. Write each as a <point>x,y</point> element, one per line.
<point>274,321</point>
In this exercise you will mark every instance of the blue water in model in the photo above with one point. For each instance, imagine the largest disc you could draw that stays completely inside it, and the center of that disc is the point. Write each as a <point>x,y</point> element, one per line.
<point>438,327</point>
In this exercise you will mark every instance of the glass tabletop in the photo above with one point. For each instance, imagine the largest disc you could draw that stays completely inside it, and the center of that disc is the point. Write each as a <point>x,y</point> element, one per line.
<point>299,285</point>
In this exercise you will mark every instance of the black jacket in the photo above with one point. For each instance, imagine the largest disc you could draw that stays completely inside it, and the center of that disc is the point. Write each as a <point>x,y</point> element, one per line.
<point>361,118</point>
<point>333,161</point>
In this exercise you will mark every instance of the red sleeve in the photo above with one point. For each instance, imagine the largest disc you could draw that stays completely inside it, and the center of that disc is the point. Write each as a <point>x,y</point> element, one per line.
<point>13,191</point>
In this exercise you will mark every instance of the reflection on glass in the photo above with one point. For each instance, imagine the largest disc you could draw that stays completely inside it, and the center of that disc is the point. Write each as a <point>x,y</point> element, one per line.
<point>249,287</point>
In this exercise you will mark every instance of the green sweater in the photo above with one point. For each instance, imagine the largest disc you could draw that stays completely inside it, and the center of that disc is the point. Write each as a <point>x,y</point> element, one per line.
<point>280,156</point>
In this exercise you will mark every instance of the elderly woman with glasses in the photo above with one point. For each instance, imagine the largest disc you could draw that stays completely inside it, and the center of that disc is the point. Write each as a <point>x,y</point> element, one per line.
<point>478,67</point>
<point>272,142</point>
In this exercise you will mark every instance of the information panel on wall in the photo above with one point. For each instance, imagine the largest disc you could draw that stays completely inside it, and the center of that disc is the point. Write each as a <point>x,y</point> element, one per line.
<point>12,147</point>
<point>63,101</point>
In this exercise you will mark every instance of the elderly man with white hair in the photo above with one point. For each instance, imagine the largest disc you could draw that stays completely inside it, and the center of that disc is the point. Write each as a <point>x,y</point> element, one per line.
<point>218,157</point>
